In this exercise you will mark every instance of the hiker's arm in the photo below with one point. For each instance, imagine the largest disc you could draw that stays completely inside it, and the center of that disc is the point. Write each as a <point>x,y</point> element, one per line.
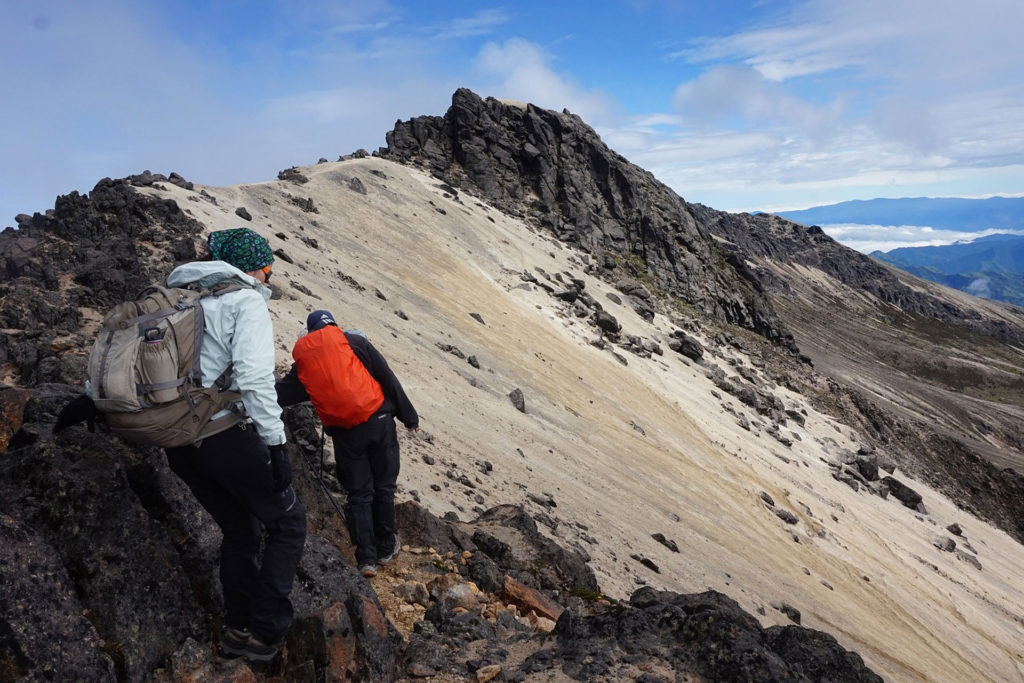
<point>290,389</point>
<point>252,352</point>
<point>380,371</point>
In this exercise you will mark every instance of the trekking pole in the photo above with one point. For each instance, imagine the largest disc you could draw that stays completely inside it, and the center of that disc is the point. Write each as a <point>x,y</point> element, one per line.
<point>320,478</point>
<point>323,439</point>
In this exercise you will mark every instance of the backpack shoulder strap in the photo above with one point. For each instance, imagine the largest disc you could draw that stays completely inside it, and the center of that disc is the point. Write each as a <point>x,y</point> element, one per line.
<point>223,380</point>
<point>222,288</point>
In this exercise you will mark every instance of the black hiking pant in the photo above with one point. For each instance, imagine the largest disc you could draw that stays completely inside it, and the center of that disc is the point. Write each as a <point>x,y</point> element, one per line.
<point>229,474</point>
<point>366,458</point>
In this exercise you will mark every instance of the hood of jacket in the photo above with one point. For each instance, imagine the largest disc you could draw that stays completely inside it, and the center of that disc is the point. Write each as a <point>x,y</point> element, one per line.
<point>208,273</point>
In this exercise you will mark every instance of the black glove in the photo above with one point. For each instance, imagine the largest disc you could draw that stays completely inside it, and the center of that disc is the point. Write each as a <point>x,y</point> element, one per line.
<point>79,410</point>
<point>280,468</point>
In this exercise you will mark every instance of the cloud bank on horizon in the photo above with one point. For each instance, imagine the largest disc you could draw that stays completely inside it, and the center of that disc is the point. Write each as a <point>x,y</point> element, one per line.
<point>741,106</point>
<point>869,238</point>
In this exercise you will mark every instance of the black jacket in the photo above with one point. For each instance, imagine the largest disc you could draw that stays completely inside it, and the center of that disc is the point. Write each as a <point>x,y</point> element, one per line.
<point>291,391</point>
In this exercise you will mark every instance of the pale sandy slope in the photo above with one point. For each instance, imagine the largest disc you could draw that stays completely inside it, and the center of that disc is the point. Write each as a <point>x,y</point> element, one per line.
<point>859,567</point>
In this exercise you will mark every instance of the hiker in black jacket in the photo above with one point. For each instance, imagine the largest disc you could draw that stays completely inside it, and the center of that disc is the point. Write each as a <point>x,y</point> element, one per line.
<point>358,398</point>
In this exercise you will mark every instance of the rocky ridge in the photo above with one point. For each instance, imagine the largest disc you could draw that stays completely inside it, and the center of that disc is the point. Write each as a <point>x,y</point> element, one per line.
<point>108,565</point>
<point>863,324</point>
<point>552,168</point>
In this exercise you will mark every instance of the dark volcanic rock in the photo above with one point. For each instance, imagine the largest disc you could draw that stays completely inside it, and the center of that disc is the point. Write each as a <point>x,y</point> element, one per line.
<point>119,562</point>
<point>606,322</point>
<point>546,565</point>
<point>43,630</point>
<point>518,400</point>
<point>687,346</point>
<point>78,495</point>
<point>706,634</point>
<point>817,655</point>
<point>292,175</point>
<point>903,493</point>
<point>337,618</point>
<point>554,168</point>
<point>419,527</point>
<point>90,252</point>
<point>12,412</point>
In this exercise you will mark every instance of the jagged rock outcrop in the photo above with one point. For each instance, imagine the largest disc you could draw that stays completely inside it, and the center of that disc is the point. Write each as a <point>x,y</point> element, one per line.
<point>89,253</point>
<point>553,168</point>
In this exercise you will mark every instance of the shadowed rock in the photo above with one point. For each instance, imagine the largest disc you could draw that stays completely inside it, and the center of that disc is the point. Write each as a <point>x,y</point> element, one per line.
<point>706,634</point>
<point>556,167</point>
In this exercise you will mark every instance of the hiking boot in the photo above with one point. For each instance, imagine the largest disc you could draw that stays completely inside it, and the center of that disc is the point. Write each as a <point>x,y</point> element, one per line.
<point>368,570</point>
<point>258,651</point>
<point>233,641</point>
<point>391,555</point>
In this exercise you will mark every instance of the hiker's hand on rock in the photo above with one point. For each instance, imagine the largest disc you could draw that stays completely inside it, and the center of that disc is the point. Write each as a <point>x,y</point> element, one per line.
<point>81,409</point>
<point>280,467</point>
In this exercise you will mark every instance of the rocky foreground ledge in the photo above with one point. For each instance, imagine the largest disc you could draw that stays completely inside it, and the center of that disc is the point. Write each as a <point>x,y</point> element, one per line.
<point>108,570</point>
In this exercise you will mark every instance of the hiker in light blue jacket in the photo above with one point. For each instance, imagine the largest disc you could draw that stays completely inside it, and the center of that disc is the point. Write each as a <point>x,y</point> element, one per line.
<point>242,475</point>
<point>239,333</point>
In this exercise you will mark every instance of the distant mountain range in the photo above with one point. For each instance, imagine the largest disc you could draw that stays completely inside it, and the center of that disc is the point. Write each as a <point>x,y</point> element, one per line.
<point>990,267</point>
<point>947,213</point>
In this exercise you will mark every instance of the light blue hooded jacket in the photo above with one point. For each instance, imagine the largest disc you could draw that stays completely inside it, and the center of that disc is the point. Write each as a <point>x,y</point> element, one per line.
<point>238,331</point>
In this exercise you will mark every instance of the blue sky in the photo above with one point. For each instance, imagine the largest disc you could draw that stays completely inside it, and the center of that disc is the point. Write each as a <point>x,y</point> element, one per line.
<point>770,105</point>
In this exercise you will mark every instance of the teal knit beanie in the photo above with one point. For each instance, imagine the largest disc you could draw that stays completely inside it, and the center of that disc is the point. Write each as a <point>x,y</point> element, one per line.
<point>243,248</point>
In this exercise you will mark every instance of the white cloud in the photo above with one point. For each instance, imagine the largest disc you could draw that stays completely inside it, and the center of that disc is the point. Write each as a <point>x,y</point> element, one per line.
<point>843,100</point>
<point>869,238</point>
<point>980,287</point>
<point>96,91</point>
<point>313,18</point>
<point>375,27</point>
<point>112,92</point>
<point>482,23</point>
<point>517,69</point>
<point>821,102</point>
<point>740,97</point>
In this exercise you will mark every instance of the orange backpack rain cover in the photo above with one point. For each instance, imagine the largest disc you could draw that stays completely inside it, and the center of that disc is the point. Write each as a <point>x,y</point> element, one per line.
<point>339,385</point>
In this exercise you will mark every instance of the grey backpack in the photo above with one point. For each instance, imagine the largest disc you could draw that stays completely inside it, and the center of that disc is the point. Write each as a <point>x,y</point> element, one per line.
<point>145,375</point>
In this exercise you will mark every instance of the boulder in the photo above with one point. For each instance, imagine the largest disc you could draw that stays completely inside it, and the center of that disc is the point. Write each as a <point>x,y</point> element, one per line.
<point>529,600</point>
<point>606,322</point>
<point>518,400</point>
<point>687,346</point>
<point>127,570</point>
<point>903,493</point>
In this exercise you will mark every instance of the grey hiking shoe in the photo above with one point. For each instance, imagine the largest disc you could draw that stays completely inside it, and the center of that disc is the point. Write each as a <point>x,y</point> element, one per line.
<point>258,651</point>
<point>391,555</point>
<point>368,570</point>
<point>233,641</point>
<point>236,642</point>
